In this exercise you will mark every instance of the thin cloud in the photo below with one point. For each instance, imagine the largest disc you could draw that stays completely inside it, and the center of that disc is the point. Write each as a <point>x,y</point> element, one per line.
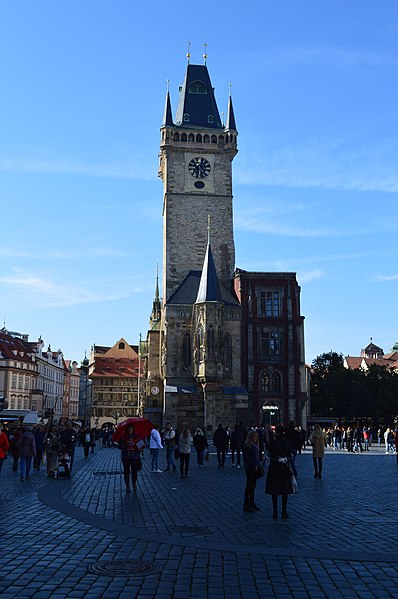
<point>340,57</point>
<point>383,278</point>
<point>49,294</point>
<point>65,254</point>
<point>311,275</point>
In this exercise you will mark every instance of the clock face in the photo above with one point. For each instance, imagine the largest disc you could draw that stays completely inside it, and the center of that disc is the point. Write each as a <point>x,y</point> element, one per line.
<point>155,390</point>
<point>199,167</point>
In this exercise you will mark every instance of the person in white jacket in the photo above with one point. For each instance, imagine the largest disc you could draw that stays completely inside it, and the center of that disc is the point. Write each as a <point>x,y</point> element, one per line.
<point>155,445</point>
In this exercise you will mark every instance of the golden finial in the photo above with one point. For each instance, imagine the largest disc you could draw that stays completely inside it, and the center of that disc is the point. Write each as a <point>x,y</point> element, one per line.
<point>168,84</point>
<point>205,54</point>
<point>189,52</point>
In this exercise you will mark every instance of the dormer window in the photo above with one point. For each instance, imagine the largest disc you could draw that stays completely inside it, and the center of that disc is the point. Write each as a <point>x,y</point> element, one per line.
<point>186,118</point>
<point>121,345</point>
<point>197,87</point>
<point>210,118</point>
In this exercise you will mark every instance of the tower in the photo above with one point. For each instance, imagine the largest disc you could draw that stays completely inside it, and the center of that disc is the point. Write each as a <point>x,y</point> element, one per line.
<point>196,153</point>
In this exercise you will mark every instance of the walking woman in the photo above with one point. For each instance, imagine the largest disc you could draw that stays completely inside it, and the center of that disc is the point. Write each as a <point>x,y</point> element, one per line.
<point>131,458</point>
<point>185,451</point>
<point>155,445</point>
<point>279,475</point>
<point>251,459</point>
<point>52,444</point>
<point>201,445</point>
<point>318,442</point>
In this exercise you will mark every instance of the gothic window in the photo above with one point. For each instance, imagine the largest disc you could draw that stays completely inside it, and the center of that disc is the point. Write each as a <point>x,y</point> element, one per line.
<point>183,137</point>
<point>221,139</point>
<point>191,137</point>
<point>186,118</point>
<point>197,87</point>
<point>264,382</point>
<point>210,343</point>
<point>121,345</point>
<point>199,341</point>
<point>276,382</point>
<point>186,351</point>
<point>210,118</point>
<point>228,353</point>
<point>269,303</point>
<point>214,139</point>
<point>269,342</point>
<point>199,138</point>
<point>206,139</point>
<point>176,137</point>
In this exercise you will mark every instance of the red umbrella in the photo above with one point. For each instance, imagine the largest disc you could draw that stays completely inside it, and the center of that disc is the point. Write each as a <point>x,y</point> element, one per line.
<point>142,428</point>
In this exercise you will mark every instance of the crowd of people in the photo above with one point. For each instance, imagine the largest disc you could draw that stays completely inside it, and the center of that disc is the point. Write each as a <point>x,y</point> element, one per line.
<point>53,446</point>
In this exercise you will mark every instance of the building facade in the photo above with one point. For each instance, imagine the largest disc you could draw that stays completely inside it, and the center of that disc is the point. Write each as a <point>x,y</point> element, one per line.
<point>198,369</point>
<point>115,374</point>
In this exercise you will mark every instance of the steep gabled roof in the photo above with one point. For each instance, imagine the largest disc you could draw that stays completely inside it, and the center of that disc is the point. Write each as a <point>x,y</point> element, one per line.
<point>167,116</point>
<point>230,124</point>
<point>197,101</point>
<point>209,289</point>
<point>187,292</point>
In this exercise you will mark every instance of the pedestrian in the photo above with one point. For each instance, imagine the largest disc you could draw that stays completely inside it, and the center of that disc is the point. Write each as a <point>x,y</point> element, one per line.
<point>318,442</point>
<point>27,451</point>
<point>349,438</point>
<point>4,445</point>
<point>396,443</point>
<point>280,475</point>
<point>236,443</point>
<point>39,440</point>
<point>93,439</point>
<point>201,445</point>
<point>52,444</point>
<point>14,446</point>
<point>251,459</point>
<point>155,445</point>
<point>221,440</point>
<point>131,458</point>
<point>68,441</point>
<point>87,435</point>
<point>169,438</point>
<point>185,442</point>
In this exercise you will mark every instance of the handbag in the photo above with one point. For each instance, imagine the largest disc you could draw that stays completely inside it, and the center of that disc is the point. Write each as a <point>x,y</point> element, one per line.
<point>260,472</point>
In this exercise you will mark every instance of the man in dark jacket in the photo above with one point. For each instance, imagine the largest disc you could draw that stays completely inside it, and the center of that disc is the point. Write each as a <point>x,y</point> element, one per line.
<point>236,443</point>
<point>39,435</point>
<point>221,440</point>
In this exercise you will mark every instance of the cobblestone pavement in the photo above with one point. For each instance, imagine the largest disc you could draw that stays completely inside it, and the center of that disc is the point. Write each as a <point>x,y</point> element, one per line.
<point>190,538</point>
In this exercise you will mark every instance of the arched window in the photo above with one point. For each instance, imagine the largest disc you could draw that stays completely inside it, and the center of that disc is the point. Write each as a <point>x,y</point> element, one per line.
<point>214,139</point>
<point>210,118</point>
<point>264,382</point>
<point>228,353</point>
<point>276,382</point>
<point>191,137</point>
<point>221,139</point>
<point>199,138</point>
<point>186,351</point>
<point>186,118</point>
<point>183,137</point>
<point>197,87</point>
<point>176,136</point>
<point>121,345</point>
<point>206,139</point>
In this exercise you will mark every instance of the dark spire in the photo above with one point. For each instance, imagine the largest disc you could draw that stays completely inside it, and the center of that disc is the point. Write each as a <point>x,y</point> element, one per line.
<point>167,116</point>
<point>156,309</point>
<point>230,125</point>
<point>209,289</point>
<point>197,107</point>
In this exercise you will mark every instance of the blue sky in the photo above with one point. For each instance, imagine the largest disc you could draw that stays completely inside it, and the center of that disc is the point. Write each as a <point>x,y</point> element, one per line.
<point>314,86</point>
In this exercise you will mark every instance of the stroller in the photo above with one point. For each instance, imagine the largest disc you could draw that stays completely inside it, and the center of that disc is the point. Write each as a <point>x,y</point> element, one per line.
<point>63,464</point>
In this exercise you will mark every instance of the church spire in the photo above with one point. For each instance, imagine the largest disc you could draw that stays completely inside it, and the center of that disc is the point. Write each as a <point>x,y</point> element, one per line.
<point>209,289</point>
<point>167,116</point>
<point>230,125</point>
<point>155,315</point>
<point>197,106</point>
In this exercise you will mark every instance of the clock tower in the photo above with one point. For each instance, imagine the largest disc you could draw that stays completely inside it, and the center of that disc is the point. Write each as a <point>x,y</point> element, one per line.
<point>196,153</point>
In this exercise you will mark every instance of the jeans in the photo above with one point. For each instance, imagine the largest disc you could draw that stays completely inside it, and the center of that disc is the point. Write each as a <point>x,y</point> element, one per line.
<point>170,457</point>
<point>184,463</point>
<point>221,451</point>
<point>26,463</point>
<point>155,458</point>
<point>237,456</point>
<point>200,454</point>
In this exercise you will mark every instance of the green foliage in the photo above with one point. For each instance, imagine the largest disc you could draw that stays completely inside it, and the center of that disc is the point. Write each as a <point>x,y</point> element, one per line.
<point>341,393</point>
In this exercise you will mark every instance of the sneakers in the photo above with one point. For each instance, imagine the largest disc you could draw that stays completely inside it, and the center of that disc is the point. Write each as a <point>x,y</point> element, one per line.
<point>158,470</point>
<point>238,466</point>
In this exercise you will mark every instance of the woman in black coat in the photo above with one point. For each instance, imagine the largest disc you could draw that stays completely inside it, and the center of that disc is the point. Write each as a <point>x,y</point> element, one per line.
<point>201,445</point>
<point>279,475</point>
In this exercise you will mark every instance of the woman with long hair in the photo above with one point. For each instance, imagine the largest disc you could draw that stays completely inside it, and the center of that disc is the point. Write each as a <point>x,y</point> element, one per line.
<point>318,442</point>
<point>131,458</point>
<point>185,451</point>
<point>251,459</point>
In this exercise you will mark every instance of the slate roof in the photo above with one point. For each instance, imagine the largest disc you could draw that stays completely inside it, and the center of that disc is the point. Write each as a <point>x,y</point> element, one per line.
<point>199,106</point>
<point>230,124</point>
<point>209,289</point>
<point>187,292</point>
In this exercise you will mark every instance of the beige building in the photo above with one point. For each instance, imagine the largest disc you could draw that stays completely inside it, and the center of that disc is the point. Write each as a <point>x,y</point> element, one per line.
<point>116,376</point>
<point>70,402</point>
